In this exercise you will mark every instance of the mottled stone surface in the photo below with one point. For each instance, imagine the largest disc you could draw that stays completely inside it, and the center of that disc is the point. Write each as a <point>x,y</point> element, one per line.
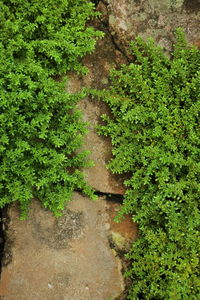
<point>66,259</point>
<point>129,18</point>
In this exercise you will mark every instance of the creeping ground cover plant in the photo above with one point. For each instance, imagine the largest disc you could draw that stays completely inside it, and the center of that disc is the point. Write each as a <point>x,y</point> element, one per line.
<point>155,134</point>
<point>40,127</point>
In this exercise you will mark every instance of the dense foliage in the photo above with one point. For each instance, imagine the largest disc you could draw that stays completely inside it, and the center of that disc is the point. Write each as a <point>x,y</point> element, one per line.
<point>40,127</point>
<point>155,133</point>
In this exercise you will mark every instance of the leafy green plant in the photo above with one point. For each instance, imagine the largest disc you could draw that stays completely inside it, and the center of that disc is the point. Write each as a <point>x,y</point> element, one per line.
<point>40,127</point>
<point>155,134</point>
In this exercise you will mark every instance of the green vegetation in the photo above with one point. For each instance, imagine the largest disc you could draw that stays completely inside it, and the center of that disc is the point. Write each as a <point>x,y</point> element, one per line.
<point>154,130</point>
<point>40,127</point>
<point>155,133</point>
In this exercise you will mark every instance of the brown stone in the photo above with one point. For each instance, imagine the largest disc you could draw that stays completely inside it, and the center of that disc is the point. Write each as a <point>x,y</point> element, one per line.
<point>197,43</point>
<point>124,233</point>
<point>67,258</point>
<point>99,64</point>
<point>126,227</point>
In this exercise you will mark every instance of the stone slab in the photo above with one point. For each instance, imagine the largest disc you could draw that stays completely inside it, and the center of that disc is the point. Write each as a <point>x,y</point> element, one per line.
<point>68,258</point>
<point>99,63</point>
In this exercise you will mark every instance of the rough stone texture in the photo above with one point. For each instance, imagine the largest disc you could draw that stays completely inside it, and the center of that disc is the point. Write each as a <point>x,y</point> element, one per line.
<point>129,18</point>
<point>99,63</point>
<point>67,258</point>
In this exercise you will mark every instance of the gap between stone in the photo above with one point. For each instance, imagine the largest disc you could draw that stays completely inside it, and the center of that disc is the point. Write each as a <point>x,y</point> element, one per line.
<point>116,198</point>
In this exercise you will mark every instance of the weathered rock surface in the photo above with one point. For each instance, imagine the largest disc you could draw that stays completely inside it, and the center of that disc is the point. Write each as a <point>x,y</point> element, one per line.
<point>99,63</point>
<point>129,18</point>
<point>67,258</point>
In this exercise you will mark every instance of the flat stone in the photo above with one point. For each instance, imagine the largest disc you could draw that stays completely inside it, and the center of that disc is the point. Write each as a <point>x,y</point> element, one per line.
<point>68,258</point>
<point>98,176</point>
<point>99,64</point>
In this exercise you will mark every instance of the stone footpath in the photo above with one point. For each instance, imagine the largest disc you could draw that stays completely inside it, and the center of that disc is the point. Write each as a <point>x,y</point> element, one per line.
<point>77,257</point>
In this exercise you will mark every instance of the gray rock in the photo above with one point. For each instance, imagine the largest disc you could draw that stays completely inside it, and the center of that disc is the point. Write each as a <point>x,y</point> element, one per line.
<point>130,18</point>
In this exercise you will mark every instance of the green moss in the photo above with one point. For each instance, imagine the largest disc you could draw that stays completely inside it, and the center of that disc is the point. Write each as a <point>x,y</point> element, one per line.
<point>119,240</point>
